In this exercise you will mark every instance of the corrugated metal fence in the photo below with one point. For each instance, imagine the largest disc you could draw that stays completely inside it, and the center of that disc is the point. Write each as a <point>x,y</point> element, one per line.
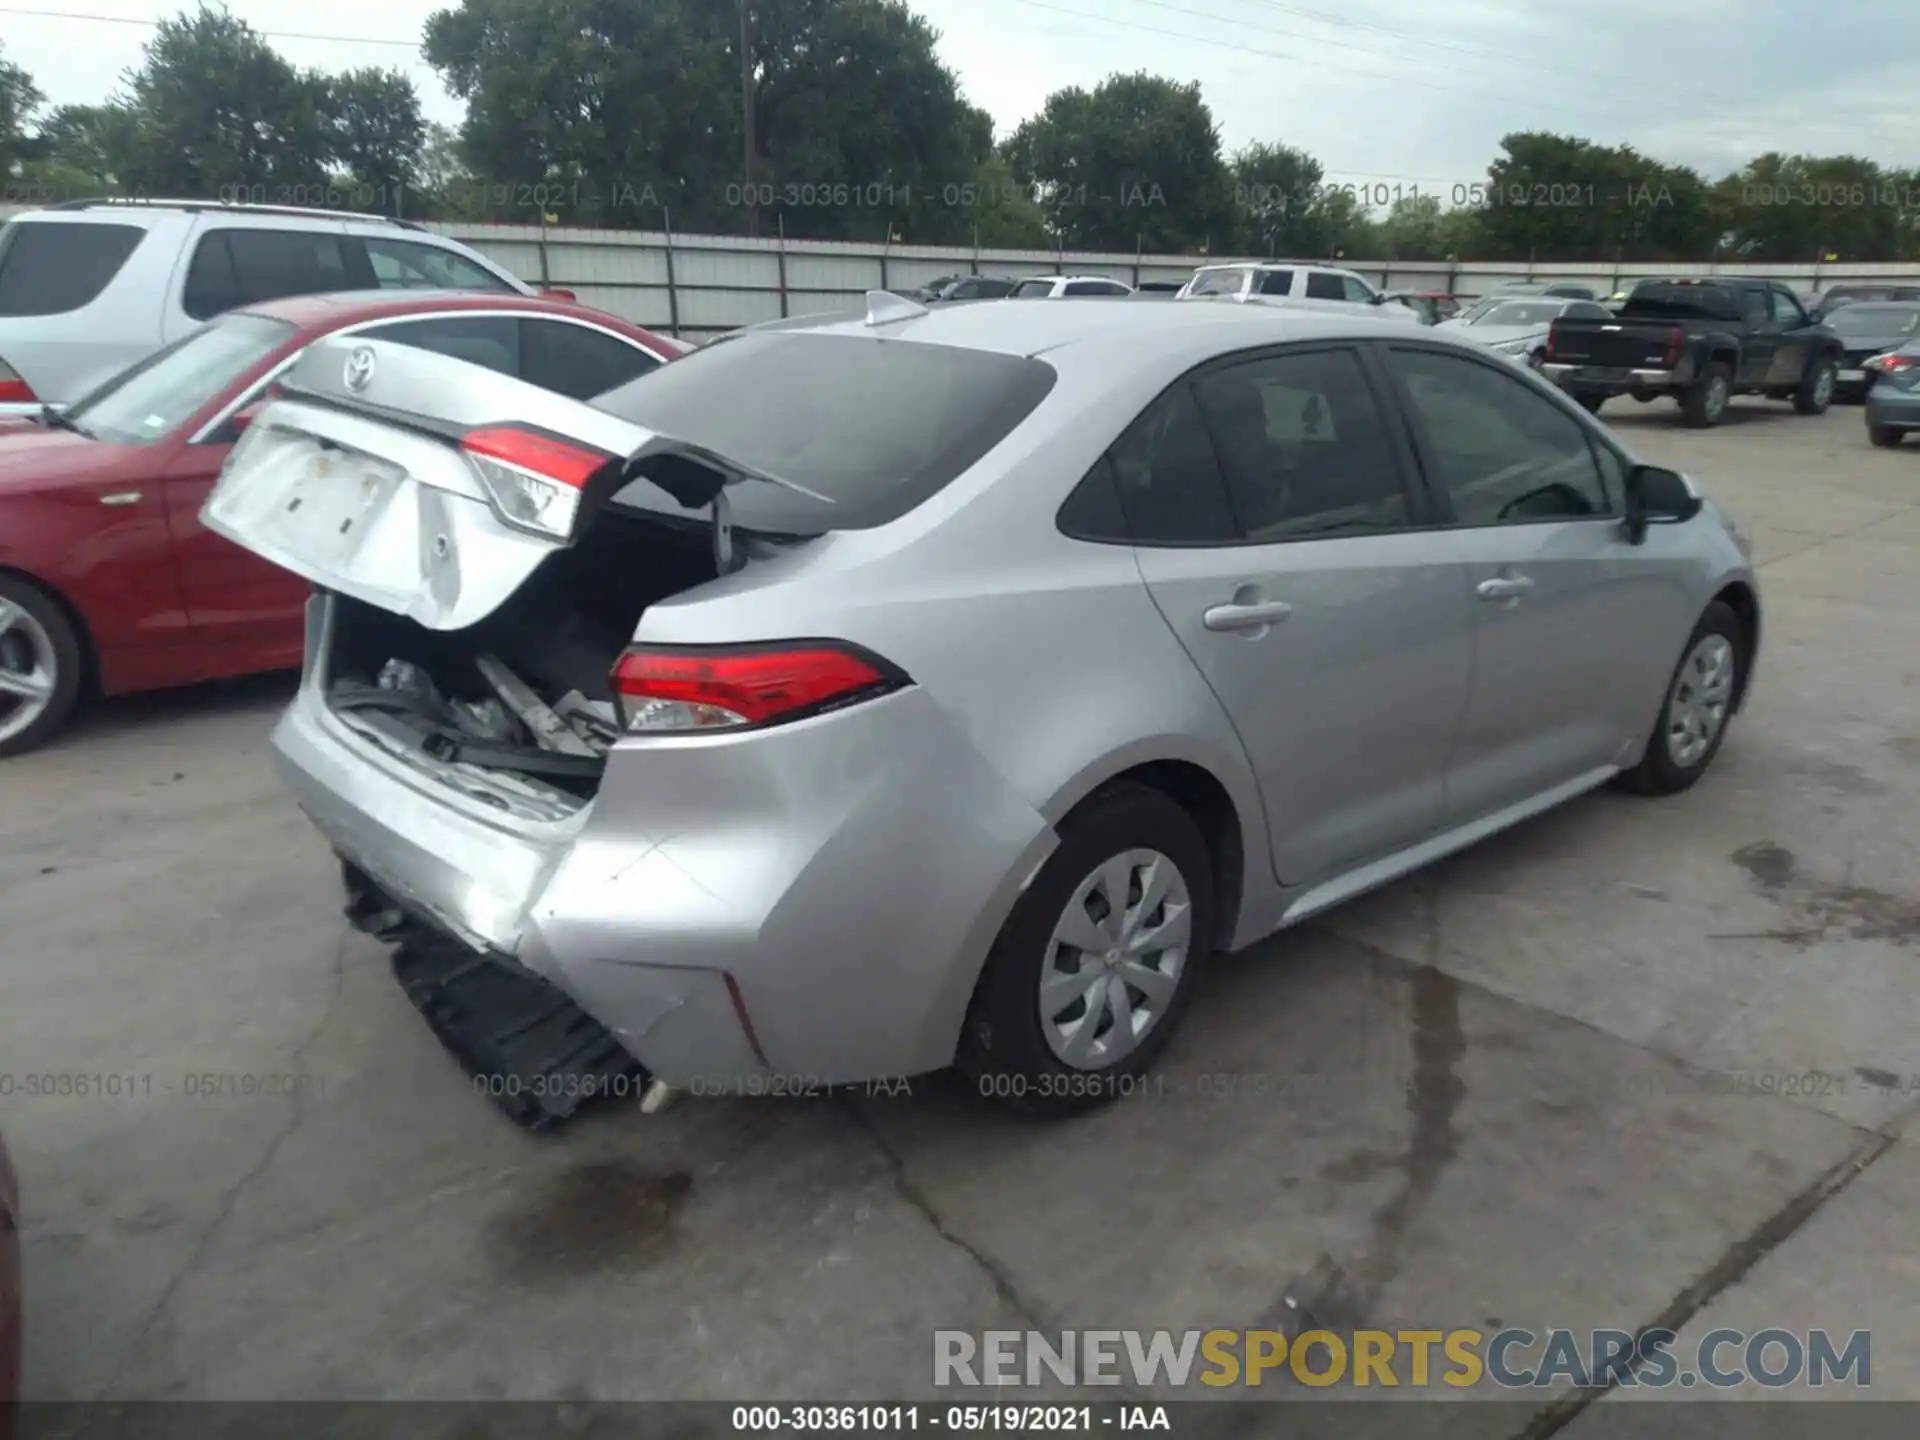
<point>699,285</point>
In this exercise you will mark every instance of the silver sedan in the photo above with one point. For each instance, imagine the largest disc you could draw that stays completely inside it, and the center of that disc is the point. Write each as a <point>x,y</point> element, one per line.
<point>872,693</point>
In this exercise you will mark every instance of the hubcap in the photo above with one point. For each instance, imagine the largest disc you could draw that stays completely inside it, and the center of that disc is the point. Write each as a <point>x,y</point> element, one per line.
<point>1823,387</point>
<point>1716,395</point>
<point>1701,694</point>
<point>1115,959</point>
<point>26,669</point>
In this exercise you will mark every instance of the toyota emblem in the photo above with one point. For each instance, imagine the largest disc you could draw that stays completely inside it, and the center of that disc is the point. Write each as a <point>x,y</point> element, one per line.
<point>359,370</point>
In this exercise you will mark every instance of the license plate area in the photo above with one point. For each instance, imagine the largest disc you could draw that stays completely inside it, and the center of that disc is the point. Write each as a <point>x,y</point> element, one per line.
<point>324,498</point>
<point>1853,376</point>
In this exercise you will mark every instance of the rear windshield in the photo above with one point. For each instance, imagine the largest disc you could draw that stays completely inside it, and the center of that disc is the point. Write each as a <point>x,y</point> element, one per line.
<point>1524,312</point>
<point>150,401</point>
<point>48,267</point>
<point>1872,319</point>
<point>876,427</point>
<point>1666,300</point>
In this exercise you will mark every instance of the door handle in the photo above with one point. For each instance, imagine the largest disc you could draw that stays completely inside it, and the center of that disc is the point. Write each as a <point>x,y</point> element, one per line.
<point>1246,617</point>
<point>122,497</point>
<point>1505,587</point>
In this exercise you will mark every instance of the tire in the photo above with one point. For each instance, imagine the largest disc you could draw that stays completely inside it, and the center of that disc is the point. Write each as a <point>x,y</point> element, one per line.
<point>1815,391</point>
<point>1667,766</point>
<point>1012,1051</point>
<point>1885,436</point>
<point>37,640</point>
<point>1703,403</point>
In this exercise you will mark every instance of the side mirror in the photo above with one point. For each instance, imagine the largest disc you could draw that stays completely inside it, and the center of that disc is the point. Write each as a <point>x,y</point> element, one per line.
<point>1660,496</point>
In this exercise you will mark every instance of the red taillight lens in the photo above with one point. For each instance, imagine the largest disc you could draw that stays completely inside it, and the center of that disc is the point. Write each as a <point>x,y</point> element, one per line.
<point>734,687</point>
<point>1892,364</point>
<point>535,480</point>
<point>1676,342</point>
<point>14,390</point>
<point>1552,338</point>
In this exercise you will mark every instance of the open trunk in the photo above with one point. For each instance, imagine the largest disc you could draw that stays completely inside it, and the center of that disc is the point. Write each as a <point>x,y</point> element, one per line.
<point>455,704</point>
<point>488,548</point>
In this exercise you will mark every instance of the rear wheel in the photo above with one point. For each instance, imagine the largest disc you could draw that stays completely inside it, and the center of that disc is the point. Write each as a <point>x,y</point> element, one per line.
<point>1815,393</point>
<point>1699,704</point>
<point>1885,436</point>
<point>40,667</point>
<point>1705,401</point>
<point>1097,962</point>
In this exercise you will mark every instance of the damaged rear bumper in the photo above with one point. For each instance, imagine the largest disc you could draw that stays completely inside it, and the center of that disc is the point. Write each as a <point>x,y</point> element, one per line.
<point>811,903</point>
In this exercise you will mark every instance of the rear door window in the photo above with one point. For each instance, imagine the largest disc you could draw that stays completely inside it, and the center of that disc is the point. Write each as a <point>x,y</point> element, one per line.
<point>1304,447</point>
<point>871,427</point>
<point>1322,286</point>
<point>1033,289</point>
<point>53,267</point>
<point>1167,473</point>
<point>1276,282</point>
<point>410,265</point>
<point>577,361</point>
<point>244,267</point>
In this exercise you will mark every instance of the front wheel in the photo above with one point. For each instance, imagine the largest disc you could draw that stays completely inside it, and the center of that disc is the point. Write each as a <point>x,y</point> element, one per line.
<point>40,667</point>
<point>1699,704</point>
<point>1098,960</point>
<point>1815,392</point>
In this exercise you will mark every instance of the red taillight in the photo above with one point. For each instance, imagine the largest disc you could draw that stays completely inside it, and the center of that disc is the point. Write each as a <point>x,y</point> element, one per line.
<point>1553,336</point>
<point>539,454</point>
<point>14,390</point>
<point>733,687</point>
<point>1676,342</point>
<point>1892,364</point>
<point>535,480</point>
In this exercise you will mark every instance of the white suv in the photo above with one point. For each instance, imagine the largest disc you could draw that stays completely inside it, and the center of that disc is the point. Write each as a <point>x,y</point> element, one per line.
<point>1278,279</point>
<point>1068,287</point>
<point>90,286</point>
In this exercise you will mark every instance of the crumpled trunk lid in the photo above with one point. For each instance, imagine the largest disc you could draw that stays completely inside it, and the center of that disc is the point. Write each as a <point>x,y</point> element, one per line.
<point>356,480</point>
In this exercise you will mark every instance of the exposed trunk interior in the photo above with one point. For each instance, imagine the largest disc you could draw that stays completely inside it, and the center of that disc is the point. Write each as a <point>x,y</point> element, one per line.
<point>516,711</point>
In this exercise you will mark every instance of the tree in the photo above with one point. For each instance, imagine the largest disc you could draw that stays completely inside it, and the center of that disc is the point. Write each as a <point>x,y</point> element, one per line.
<point>89,148</point>
<point>1133,162</point>
<point>617,109</point>
<point>19,99</point>
<point>221,113</point>
<point>1274,189</point>
<point>1557,197</point>
<point>1805,207</point>
<point>375,135</point>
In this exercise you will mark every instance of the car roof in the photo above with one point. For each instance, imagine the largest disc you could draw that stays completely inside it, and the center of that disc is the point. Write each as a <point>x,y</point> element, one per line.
<point>1039,329</point>
<point>343,307</point>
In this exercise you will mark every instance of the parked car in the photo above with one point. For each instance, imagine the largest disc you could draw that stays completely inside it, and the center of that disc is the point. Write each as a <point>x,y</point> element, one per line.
<point>966,287</point>
<point>1157,290</point>
<point>1432,306</point>
<point>1893,396</point>
<point>91,286</point>
<point>1866,329</point>
<point>109,583</point>
<point>1035,653</point>
<point>1520,290</point>
<point>1518,328</point>
<point>1854,293</point>
<point>1702,342</point>
<point>1280,279</point>
<point>1069,287</point>
<point>10,1292</point>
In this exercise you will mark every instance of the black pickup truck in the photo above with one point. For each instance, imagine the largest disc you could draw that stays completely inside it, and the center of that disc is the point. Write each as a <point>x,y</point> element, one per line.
<point>1701,341</point>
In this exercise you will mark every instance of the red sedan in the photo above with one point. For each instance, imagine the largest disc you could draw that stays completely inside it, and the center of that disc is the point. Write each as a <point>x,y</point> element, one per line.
<point>109,583</point>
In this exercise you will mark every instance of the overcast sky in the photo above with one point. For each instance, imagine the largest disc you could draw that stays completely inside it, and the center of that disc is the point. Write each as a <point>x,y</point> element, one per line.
<point>1386,92</point>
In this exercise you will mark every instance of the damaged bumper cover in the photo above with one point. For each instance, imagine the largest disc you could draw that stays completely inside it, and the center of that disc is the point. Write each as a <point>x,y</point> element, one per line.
<point>730,908</point>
